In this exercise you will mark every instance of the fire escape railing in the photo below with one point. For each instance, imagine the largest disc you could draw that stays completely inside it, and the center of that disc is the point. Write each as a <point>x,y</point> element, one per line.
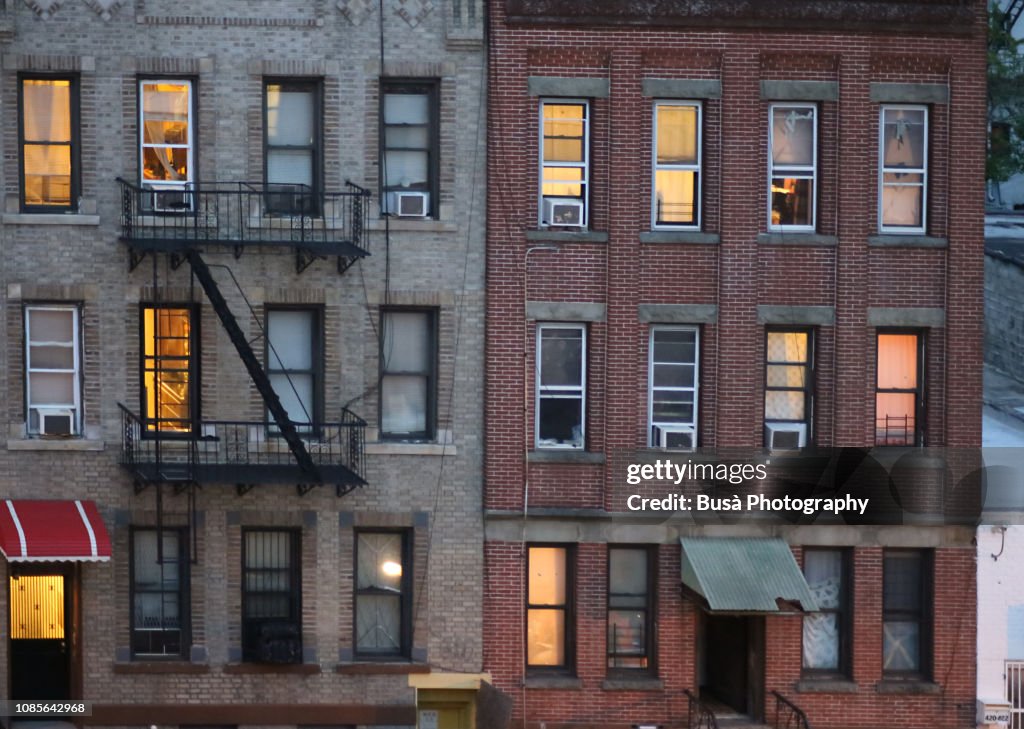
<point>698,714</point>
<point>244,452</point>
<point>788,715</point>
<point>244,215</point>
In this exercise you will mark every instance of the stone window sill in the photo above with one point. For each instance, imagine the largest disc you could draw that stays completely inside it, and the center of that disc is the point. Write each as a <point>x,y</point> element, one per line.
<point>381,668</point>
<point>826,686</point>
<point>570,683</point>
<point>566,236</point>
<point>55,444</point>
<point>160,667</point>
<point>907,686</point>
<point>49,219</point>
<point>680,236</point>
<point>301,669</point>
<point>638,683</point>
<point>565,456</point>
<point>796,238</point>
<point>388,448</point>
<point>902,240</point>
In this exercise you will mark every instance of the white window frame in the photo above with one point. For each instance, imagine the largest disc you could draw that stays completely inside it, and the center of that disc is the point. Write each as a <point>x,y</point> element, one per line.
<point>696,168</point>
<point>651,422</point>
<point>923,171</point>
<point>565,392</point>
<point>794,171</point>
<point>76,372</point>
<point>584,165</point>
<point>143,145</point>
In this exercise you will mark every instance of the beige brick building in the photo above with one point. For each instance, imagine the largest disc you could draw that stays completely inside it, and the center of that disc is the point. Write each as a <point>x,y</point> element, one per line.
<point>189,185</point>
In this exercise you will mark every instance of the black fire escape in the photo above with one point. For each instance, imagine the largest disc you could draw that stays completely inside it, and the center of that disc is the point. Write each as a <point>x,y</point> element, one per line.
<point>316,225</point>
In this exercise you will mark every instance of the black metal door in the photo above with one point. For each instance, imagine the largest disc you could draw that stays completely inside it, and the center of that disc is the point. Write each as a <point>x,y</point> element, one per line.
<point>726,649</point>
<point>40,637</point>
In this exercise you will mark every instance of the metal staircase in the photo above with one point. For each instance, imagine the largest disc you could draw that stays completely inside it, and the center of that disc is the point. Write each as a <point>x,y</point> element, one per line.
<point>252,364</point>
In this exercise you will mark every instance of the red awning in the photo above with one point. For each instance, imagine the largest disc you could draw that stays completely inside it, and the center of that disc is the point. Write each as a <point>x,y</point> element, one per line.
<point>52,531</point>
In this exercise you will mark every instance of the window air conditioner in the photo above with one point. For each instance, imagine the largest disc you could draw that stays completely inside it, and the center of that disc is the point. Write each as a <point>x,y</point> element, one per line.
<point>675,437</point>
<point>289,199</point>
<point>785,436</point>
<point>408,204</point>
<point>166,200</point>
<point>563,211</point>
<point>280,643</point>
<point>53,421</point>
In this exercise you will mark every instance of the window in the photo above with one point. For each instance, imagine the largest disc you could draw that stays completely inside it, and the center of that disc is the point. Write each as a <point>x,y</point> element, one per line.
<point>53,370</point>
<point>271,596</point>
<point>903,183</point>
<point>48,128</point>
<point>169,391</point>
<point>906,628</point>
<point>826,640</point>
<point>291,136</point>
<point>564,163</point>
<point>409,148</point>
<point>160,582</point>
<point>561,385</point>
<point>630,608</point>
<point>787,388</point>
<point>166,158</point>
<point>793,155</point>
<point>677,158</point>
<point>407,359</point>
<point>383,594</point>
<point>549,616</point>
<point>898,391</point>
<point>672,390</point>
<point>295,362</point>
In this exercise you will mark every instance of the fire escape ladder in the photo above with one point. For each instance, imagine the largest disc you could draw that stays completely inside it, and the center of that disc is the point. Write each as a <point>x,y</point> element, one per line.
<point>252,364</point>
<point>1012,14</point>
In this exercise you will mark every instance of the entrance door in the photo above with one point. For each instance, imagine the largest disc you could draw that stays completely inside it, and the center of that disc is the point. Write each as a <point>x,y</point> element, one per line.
<point>40,631</point>
<point>733,662</point>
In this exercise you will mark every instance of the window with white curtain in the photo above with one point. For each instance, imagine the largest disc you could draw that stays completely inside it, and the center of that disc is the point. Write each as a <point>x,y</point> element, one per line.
<point>903,173</point>
<point>294,363</point>
<point>409,145</point>
<point>826,633</point>
<point>677,160</point>
<point>407,377</point>
<point>166,134</point>
<point>292,157</point>
<point>49,143</point>
<point>793,163</point>
<point>788,386</point>
<point>52,369</point>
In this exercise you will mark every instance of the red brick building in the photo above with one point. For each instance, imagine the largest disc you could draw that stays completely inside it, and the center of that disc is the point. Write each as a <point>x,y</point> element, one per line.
<point>713,226</point>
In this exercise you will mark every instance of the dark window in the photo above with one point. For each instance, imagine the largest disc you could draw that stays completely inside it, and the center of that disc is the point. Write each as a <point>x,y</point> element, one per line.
<point>295,362</point>
<point>787,388</point>
<point>826,639</point>
<point>159,582</point>
<point>293,160</point>
<point>906,621</point>
<point>383,622</point>
<point>271,596</point>
<point>409,148</point>
<point>899,405</point>
<point>48,140</point>
<point>549,616</point>
<point>630,608</point>
<point>407,379</point>
<point>561,381</point>
<point>169,366</point>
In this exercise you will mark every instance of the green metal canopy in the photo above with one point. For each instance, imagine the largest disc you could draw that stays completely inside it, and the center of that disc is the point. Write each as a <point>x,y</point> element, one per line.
<point>740,575</point>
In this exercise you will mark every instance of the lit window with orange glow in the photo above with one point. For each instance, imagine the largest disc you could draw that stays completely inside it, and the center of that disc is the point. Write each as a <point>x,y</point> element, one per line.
<point>793,158</point>
<point>167,362</point>
<point>383,616</point>
<point>898,401</point>
<point>49,148</point>
<point>676,164</point>
<point>166,154</point>
<point>548,619</point>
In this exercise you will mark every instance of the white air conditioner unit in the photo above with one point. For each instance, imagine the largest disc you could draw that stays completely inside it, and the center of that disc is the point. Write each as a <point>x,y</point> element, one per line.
<point>563,211</point>
<point>167,200</point>
<point>54,421</point>
<point>786,436</point>
<point>408,204</point>
<point>675,437</point>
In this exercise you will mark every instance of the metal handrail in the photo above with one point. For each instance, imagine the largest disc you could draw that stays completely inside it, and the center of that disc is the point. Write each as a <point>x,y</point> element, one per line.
<point>698,714</point>
<point>794,716</point>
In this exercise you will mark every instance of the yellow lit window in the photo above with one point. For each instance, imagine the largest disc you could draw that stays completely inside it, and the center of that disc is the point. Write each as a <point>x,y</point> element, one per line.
<point>547,622</point>
<point>47,146</point>
<point>167,365</point>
